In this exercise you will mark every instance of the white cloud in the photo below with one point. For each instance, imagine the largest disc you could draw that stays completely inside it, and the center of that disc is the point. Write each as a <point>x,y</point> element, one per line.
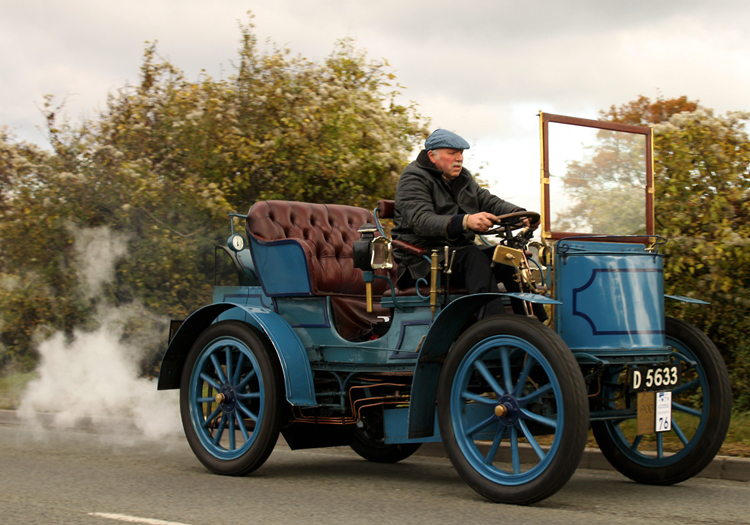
<point>469,67</point>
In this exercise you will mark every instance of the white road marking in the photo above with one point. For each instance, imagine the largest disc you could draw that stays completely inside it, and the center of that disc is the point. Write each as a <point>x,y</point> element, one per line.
<point>134,519</point>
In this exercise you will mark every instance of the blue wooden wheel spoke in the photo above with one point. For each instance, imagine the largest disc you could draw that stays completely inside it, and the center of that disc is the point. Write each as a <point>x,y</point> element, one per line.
<point>687,410</point>
<point>687,386</point>
<point>243,428</point>
<point>525,414</point>
<point>238,368</point>
<point>220,430</point>
<point>492,452</point>
<point>205,400</point>
<point>679,432</point>
<point>210,380</point>
<point>210,418</point>
<point>217,367</point>
<point>470,396</point>
<point>491,381</point>
<point>505,359</point>
<point>524,375</point>
<point>252,395</point>
<point>523,401</point>
<point>636,442</point>
<point>228,356</point>
<point>481,425</point>
<point>530,438</point>
<point>516,457</point>
<point>232,443</point>
<point>246,380</point>
<point>247,411</point>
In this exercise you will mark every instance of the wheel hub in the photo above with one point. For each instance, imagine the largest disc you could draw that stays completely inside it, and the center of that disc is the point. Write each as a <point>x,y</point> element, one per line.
<point>507,410</point>
<point>227,398</point>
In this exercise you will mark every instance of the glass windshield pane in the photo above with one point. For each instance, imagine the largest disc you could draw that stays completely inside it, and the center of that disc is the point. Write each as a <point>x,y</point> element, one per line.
<point>597,180</point>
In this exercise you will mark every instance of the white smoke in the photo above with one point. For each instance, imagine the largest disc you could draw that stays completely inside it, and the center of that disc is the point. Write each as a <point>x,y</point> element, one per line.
<point>93,380</point>
<point>98,250</point>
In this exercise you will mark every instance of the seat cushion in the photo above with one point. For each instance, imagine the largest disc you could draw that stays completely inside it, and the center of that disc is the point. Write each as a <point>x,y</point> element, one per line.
<point>325,232</point>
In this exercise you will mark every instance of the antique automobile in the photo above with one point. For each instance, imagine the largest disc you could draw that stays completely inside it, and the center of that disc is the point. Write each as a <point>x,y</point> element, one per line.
<point>313,341</point>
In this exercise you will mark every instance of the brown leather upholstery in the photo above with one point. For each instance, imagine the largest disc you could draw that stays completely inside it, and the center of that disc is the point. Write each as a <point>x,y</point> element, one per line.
<point>325,232</point>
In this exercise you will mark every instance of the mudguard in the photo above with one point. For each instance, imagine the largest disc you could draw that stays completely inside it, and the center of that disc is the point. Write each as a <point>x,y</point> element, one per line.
<point>684,299</point>
<point>439,339</point>
<point>295,364</point>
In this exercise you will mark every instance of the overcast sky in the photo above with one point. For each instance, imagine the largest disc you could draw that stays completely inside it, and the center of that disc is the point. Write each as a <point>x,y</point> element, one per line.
<point>482,68</point>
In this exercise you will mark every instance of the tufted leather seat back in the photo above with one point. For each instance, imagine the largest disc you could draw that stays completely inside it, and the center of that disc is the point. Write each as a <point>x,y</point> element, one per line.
<point>325,232</point>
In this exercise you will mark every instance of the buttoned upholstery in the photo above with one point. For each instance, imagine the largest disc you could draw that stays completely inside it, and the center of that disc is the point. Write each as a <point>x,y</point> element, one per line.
<point>325,232</point>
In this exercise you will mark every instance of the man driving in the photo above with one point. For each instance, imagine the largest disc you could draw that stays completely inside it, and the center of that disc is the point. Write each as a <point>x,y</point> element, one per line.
<point>439,203</point>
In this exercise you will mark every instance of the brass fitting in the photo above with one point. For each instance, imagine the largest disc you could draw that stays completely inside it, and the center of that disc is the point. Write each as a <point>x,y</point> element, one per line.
<point>434,267</point>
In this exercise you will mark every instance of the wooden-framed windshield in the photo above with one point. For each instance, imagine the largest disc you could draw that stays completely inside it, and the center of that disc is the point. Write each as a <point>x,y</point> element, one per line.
<point>597,178</point>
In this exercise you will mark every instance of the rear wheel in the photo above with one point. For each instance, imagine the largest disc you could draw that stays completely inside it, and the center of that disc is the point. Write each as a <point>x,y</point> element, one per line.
<point>230,399</point>
<point>512,409</point>
<point>378,452</point>
<point>701,409</point>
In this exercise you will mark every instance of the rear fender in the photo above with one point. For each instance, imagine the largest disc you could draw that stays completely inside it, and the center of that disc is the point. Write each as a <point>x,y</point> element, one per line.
<point>443,332</point>
<point>291,353</point>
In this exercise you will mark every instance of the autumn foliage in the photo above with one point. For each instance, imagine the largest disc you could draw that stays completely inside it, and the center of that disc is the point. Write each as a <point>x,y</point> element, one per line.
<point>156,173</point>
<point>702,189</point>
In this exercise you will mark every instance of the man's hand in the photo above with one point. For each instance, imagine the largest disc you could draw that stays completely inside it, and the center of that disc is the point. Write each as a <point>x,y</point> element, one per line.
<point>532,226</point>
<point>481,222</point>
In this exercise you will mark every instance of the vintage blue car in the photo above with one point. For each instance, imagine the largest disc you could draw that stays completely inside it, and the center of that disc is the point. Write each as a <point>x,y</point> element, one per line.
<point>315,342</point>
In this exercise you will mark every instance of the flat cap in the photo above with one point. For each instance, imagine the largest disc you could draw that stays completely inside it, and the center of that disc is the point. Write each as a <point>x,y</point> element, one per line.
<point>442,138</point>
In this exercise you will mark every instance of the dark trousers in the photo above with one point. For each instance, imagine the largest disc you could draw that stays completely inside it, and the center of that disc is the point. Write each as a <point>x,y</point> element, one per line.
<point>471,268</point>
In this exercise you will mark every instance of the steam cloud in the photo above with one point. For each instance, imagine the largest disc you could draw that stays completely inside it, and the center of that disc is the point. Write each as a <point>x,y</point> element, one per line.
<point>94,379</point>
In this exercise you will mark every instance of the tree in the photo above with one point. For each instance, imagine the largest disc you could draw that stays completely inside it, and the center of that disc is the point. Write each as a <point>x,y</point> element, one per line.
<point>606,191</point>
<point>160,168</point>
<point>702,189</point>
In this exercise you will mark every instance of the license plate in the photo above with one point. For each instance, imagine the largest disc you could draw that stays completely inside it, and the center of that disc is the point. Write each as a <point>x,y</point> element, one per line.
<point>649,378</point>
<point>654,412</point>
<point>663,421</point>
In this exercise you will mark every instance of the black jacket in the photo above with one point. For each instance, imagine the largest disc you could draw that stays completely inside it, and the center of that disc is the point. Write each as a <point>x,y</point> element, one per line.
<point>429,211</point>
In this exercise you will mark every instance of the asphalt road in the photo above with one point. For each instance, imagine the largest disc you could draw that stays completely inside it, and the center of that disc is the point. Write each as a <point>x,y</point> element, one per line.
<point>74,477</point>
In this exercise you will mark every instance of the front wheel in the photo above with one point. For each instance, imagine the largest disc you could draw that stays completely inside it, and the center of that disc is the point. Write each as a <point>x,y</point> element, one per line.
<point>512,410</point>
<point>701,409</point>
<point>231,398</point>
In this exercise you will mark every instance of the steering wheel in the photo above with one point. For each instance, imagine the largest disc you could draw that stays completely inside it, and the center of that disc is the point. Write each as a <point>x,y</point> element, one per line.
<point>512,221</point>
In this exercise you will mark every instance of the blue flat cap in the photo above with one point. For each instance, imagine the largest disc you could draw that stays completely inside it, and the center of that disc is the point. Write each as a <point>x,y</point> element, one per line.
<point>442,138</point>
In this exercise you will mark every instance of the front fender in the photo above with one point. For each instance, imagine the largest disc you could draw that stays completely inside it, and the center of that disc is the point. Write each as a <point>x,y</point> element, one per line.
<point>439,339</point>
<point>684,299</point>
<point>292,356</point>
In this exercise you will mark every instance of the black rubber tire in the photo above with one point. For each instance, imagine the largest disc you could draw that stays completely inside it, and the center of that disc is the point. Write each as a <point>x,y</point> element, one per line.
<point>554,359</point>
<point>379,452</point>
<point>268,378</point>
<point>702,446</point>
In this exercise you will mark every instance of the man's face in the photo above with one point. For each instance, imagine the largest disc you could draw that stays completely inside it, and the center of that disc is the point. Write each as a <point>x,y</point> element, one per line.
<point>447,160</point>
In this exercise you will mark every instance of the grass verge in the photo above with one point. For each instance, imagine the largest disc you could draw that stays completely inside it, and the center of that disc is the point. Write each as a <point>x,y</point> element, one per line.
<point>11,388</point>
